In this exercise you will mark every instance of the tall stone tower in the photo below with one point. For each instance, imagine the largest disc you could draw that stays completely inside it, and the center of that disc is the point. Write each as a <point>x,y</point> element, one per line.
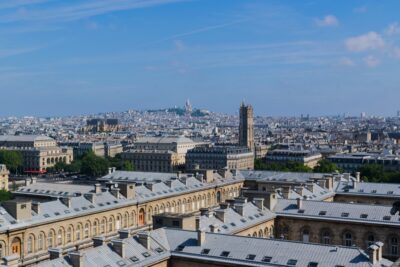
<point>246,126</point>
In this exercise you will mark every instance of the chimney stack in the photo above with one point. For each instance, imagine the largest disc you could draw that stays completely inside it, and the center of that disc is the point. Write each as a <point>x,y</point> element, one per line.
<point>380,250</point>
<point>90,197</point>
<point>55,253</point>
<point>119,247</point>
<point>201,237</point>
<point>66,201</point>
<point>373,254</point>
<point>239,209</point>
<point>299,203</point>
<point>144,239</point>
<point>128,190</point>
<point>124,234</point>
<point>259,202</point>
<point>358,176</point>
<point>220,215</point>
<point>76,258</point>
<point>115,192</point>
<point>97,188</point>
<point>98,241</point>
<point>36,207</point>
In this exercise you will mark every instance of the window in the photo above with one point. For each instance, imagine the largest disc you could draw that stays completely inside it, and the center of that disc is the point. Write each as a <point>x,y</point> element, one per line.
<point>69,235</point>
<point>40,242</point>
<point>322,213</point>
<point>364,216</point>
<point>348,239</point>
<point>86,231</point>
<point>313,264</point>
<point>59,237</point>
<point>225,253</point>
<point>306,236</point>
<point>134,259</point>
<point>370,240</point>
<point>78,232</point>
<point>266,259</point>
<point>394,246</point>
<point>292,262</point>
<point>345,214</point>
<point>30,244</point>
<point>251,257</point>
<point>50,240</point>
<point>175,223</point>
<point>326,238</point>
<point>146,254</point>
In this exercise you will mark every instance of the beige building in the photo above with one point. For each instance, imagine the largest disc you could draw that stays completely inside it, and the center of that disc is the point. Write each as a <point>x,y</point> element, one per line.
<point>153,160</point>
<point>4,177</point>
<point>38,152</point>
<point>305,157</point>
<point>29,229</point>
<point>219,157</point>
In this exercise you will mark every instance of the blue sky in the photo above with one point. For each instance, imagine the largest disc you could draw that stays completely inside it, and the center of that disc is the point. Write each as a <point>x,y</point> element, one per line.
<point>285,57</point>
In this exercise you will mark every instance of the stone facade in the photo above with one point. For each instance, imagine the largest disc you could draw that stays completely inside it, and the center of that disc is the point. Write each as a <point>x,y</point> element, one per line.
<point>4,177</point>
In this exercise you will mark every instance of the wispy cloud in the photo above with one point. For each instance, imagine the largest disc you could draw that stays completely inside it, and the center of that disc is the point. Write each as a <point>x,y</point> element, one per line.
<point>368,41</point>
<point>6,4</point>
<point>16,51</point>
<point>371,61</point>
<point>327,21</point>
<point>70,12</point>
<point>393,29</point>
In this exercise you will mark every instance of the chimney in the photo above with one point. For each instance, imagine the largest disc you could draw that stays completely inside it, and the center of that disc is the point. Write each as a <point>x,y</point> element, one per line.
<point>223,205</point>
<point>346,176</point>
<point>11,261</point>
<point>299,203</point>
<point>200,177</point>
<point>128,190</point>
<point>149,186</point>
<point>213,228</point>
<point>299,190</point>
<point>220,215</point>
<point>203,211</point>
<point>239,208</point>
<point>179,174</point>
<point>373,253</point>
<point>97,188</point>
<point>355,183</point>
<point>197,223</point>
<point>322,183</point>
<point>66,201</point>
<point>380,250</point>
<point>119,247</point>
<point>27,181</point>
<point>115,192</point>
<point>98,241</point>
<point>310,186</point>
<point>358,176</point>
<point>272,200</point>
<point>144,239</point>
<point>76,258</point>
<point>124,234</point>
<point>201,238</point>
<point>36,207</point>
<point>90,197</point>
<point>168,183</point>
<point>55,253</point>
<point>286,192</point>
<point>259,202</point>
<point>33,180</point>
<point>110,170</point>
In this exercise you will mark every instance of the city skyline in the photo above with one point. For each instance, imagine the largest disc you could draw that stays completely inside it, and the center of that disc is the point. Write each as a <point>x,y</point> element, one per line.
<point>285,58</point>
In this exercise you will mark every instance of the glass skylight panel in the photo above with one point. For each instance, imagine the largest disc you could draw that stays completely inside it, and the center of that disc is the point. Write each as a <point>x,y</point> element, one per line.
<point>225,253</point>
<point>250,257</point>
<point>205,251</point>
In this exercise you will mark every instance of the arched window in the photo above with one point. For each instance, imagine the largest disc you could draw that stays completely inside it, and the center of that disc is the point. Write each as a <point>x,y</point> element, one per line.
<point>142,217</point>
<point>394,246</point>
<point>41,241</point>
<point>326,238</point>
<point>95,228</point>
<point>126,218</point>
<point>2,248</point>
<point>110,225</point>
<point>305,235</point>
<point>218,197</point>
<point>78,232</point>
<point>103,226</point>
<point>348,239</point>
<point>86,231</point>
<point>60,237</point>
<point>69,235</point>
<point>50,240</point>
<point>118,223</point>
<point>260,233</point>
<point>29,244</point>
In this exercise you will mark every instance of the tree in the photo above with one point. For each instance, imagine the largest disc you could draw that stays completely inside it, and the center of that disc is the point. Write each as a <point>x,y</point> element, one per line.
<point>289,166</point>
<point>12,159</point>
<point>5,195</point>
<point>372,173</point>
<point>93,165</point>
<point>325,166</point>
<point>127,166</point>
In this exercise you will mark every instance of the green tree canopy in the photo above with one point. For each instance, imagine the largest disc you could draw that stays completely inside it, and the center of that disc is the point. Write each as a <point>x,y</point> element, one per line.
<point>12,159</point>
<point>289,166</point>
<point>325,166</point>
<point>127,166</point>
<point>93,165</point>
<point>5,195</point>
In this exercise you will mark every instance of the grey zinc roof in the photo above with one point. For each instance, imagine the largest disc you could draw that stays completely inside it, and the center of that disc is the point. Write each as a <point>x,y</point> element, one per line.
<point>165,140</point>
<point>370,189</point>
<point>281,251</point>
<point>235,222</point>
<point>24,138</point>
<point>184,244</point>
<point>376,214</point>
<point>54,189</point>
<point>281,176</point>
